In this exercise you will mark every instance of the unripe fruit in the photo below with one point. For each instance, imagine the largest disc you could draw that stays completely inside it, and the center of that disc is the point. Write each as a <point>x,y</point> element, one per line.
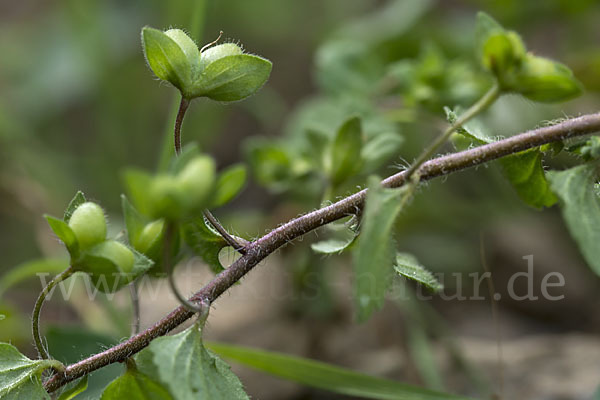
<point>216,52</point>
<point>167,197</point>
<point>116,252</point>
<point>197,180</point>
<point>89,224</point>
<point>149,237</point>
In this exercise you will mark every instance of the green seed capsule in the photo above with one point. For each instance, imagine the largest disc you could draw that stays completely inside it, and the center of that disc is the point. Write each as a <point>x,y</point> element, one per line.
<point>196,181</point>
<point>89,224</point>
<point>150,237</point>
<point>115,252</point>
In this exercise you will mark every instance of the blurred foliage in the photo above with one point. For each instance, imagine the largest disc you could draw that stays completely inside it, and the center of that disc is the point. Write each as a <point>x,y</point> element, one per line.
<point>78,106</point>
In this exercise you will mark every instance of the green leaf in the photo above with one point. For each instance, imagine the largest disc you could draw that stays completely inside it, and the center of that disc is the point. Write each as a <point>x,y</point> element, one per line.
<point>271,163</point>
<point>137,182</point>
<point>188,153</point>
<point>135,385</point>
<point>379,150</point>
<point>134,222</point>
<point>580,206</point>
<point>374,253</point>
<point>344,155</point>
<point>409,267</point>
<point>166,59</point>
<point>524,170</point>
<point>30,269</point>
<point>72,392</point>
<point>204,242</point>
<point>20,377</point>
<point>189,371</point>
<point>526,173</point>
<point>64,232</point>
<point>78,200</point>
<point>229,184</point>
<point>2,317</point>
<point>332,246</point>
<point>325,376</point>
<point>233,78</point>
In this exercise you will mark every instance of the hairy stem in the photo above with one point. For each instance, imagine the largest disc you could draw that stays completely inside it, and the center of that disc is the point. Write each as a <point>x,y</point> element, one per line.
<point>233,242</point>
<point>167,249</point>
<point>135,305</point>
<point>482,104</point>
<point>261,248</point>
<point>35,325</point>
<point>183,106</point>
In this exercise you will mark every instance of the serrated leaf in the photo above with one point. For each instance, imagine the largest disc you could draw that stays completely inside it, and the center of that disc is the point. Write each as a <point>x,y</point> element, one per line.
<point>166,59</point>
<point>78,200</point>
<point>64,232</point>
<point>134,221</point>
<point>72,392</point>
<point>409,267</point>
<point>135,385</point>
<point>344,154</point>
<point>204,242</point>
<point>374,254</point>
<point>20,377</point>
<point>524,170</point>
<point>188,370</point>
<point>30,269</point>
<point>580,206</point>
<point>233,78</point>
<point>229,184</point>
<point>325,376</point>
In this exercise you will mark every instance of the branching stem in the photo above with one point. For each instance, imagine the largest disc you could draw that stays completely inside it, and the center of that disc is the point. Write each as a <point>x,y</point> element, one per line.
<point>482,104</point>
<point>266,245</point>
<point>35,325</point>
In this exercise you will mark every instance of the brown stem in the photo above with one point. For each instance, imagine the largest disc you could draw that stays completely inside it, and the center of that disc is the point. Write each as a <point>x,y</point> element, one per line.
<point>261,248</point>
<point>233,242</point>
<point>183,106</point>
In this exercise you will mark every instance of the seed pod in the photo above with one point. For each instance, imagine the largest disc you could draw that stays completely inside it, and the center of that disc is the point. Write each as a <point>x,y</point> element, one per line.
<point>89,224</point>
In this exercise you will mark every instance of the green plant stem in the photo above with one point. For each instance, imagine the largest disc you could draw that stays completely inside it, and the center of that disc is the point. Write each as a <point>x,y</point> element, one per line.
<point>482,104</point>
<point>135,305</point>
<point>259,249</point>
<point>167,247</point>
<point>183,106</point>
<point>35,325</point>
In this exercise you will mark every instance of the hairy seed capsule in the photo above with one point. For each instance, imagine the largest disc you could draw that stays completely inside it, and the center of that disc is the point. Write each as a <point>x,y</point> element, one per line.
<point>89,224</point>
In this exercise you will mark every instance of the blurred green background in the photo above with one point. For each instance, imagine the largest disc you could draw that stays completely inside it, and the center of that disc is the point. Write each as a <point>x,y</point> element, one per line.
<point>78,104</point>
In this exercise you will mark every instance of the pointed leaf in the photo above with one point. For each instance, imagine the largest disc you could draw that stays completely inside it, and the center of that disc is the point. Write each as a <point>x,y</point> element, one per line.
<point>134,222</point>
<point>78,200</point>
<point>344,155</point>
<point>64,232</point>
<point>325,376</point>
<point>229,184</point>
<point>204,242</point>
<point>379,150</point>
<point>20,377</point>
<point>374,254</point>
<point>409,267</point>
<point>137,182</point>
<point>524,170</point>
<point>332,246</point>
<point>189,371</point>
<point>580,206</point>
<point>135,385</point>
<point>166,59</point>
<point>75,390</point>
<point>233,78</point>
